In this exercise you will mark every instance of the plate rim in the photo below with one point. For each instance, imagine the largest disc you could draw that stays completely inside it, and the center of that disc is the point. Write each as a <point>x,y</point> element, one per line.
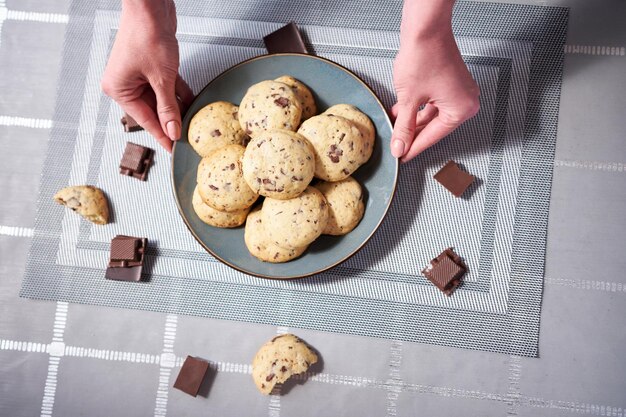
<point>326,268</point>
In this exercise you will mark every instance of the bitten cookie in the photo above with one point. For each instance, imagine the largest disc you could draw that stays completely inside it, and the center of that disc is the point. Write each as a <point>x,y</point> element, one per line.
<point>279,359</point>
<point>269,105</point>
<point>345,205</point>
<point>215,126</point>
<point>307,102</point>
<point>88,201</point>
<point>212,217</point>
<point>297,222</point>
<point>220,180</point>
<point>361,121</point>
<point>260,246</point>
<point>339,146</point>
<point>278,164</point>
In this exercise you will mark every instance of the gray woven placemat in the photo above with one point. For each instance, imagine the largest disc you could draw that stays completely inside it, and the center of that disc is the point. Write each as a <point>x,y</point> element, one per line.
<point>515,52</point>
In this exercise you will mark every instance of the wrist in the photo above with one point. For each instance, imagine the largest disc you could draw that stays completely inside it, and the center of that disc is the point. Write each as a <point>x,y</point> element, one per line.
<point>149,15</point>
<point>426,20</point>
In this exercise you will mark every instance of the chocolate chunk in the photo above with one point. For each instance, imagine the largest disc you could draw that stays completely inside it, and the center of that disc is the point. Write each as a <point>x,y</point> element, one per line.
<point>216,133</point>
<point>130,124</point>
<point>282,102</point>
<point>445,271</point>
<point>191,375</point>
<point>285,39</point>
<point>126,258</point>
<point>454,178</point>
<point>335,153</point>
<point>125,250</point>
<point>136,161</point>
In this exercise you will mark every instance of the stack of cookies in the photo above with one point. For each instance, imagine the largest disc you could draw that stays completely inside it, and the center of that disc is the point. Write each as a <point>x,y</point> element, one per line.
<point>273,145</point>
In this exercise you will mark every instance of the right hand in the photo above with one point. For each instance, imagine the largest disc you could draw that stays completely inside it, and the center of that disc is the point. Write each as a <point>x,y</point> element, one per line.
<point>430,73</point>
<point>142,72</point>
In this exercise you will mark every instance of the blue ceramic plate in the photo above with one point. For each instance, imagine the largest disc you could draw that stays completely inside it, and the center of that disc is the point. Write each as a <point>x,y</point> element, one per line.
<point>330,84</point>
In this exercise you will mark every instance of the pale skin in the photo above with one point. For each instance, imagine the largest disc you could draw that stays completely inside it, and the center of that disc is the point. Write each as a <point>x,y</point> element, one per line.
<point>142,74</point>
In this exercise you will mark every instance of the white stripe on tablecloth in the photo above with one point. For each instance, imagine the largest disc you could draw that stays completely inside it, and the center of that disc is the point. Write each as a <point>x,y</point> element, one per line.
<point>595,50</point>
<point>36,16</point>
<point>56,350</point>
<point>167,361</point>
<point>25,122</point>
<point>514,391</point>
<point>160,408</point>
<point>592,165</point>
<point>394,383</point>
<point>16,231</point>
<point>586,284</point>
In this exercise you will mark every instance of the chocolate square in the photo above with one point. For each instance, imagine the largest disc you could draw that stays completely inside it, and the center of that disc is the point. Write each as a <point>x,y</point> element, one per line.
<point>285,39</point>
<point>136,161</point>
<point>126,258</point>
<point>130,124</point>
<point>445,271</point>
<point>191,375</point>
<point>127,251</point>
<point>454,178</point>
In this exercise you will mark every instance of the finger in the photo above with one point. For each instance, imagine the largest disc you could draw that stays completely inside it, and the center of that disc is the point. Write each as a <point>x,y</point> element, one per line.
<point>403,129</point>
<point>167,108</point>
<point>394,111</point>
<point>425,115</point>
<point>145,115</point>
<point>184,92</point>
<point>432,133</point>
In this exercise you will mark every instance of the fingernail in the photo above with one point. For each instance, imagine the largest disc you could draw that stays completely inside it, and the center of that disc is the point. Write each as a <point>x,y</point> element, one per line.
<point>173,129</point>
<point>397,148</point>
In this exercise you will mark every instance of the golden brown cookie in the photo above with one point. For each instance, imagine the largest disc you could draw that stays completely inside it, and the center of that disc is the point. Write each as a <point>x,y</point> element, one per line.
<point>361,121</point>
<point>307,102</point>
<point>260,246</point>
<point>339,146</point>
<point>220,180</point>
<point>294,223</point>
<point>278,164</point>
<point>217,218</point>
<point>88,201</point>
<point>269,105</point>
<point>345,205</point>
<point>279,359</point>
<point>215,126</point>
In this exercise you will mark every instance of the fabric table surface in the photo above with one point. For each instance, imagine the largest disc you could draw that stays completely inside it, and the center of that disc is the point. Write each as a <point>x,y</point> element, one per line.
<point>66,359</point>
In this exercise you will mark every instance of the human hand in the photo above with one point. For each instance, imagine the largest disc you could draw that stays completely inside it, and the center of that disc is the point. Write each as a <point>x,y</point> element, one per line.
<point>142,72</point>
<point>430,72</point>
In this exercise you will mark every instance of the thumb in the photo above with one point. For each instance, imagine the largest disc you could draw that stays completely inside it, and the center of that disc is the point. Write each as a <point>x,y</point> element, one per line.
<point>168,109</point>
<point>403,129</point>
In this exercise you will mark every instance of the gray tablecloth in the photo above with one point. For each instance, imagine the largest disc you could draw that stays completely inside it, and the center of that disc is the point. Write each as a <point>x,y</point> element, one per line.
<point>66,359</point>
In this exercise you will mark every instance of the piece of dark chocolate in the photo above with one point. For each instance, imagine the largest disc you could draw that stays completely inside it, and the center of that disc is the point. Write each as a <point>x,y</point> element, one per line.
<point>285,39</point>
<point>191,375</point>
<point>126,258</point>
<point>445,271</point>
<point>454,178</point>
<point>127,251</point>
<point>130,124</point>
<point>136,161</point>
